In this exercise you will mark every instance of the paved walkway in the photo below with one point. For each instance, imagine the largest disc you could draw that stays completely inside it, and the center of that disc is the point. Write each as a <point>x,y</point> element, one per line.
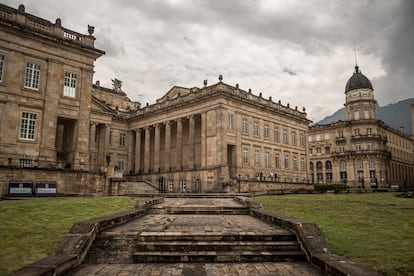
<point>161,222</point>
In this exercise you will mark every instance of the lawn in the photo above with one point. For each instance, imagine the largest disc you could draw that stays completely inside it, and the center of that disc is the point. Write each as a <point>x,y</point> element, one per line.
<point>373,229</point>
<point>32,229</point>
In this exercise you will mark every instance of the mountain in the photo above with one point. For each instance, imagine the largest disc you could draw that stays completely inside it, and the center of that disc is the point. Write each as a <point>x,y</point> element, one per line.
<point>395,115</point>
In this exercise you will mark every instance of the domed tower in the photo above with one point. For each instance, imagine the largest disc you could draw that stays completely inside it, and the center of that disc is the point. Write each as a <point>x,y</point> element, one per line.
<point>359,103</point>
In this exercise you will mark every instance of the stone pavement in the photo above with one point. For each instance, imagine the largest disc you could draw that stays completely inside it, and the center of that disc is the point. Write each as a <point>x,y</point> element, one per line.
<point>196,236</point>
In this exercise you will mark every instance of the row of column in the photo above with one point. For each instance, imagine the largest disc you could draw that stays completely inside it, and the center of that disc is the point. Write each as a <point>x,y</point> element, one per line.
<point>148,152</point>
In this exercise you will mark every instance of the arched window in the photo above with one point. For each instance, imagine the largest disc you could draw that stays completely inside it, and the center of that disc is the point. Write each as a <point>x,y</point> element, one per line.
<point>342,165</point>
<point>328,165</point>
<point>311,166</point>
<point>371,164</point>
<point>319,165</point>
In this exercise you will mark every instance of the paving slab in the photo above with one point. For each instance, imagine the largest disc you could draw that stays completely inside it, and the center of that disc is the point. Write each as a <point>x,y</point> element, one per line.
<point>194,269</point>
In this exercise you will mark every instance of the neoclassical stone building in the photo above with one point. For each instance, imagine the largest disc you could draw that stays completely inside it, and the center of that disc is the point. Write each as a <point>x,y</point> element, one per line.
<point>57,127</point>
<point>360,151</point>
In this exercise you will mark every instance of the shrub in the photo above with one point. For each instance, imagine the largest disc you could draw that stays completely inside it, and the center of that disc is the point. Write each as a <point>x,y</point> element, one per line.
<point>330,187</point>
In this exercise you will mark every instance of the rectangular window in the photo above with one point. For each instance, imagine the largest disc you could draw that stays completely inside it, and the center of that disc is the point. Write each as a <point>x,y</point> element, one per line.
<point>277,160</point>
<point>295,163</point>
<point>327,150</point>
<point>285,136</point>
<point>256,129</point>
<point>303,163</point>
<point>276,132</point>
<point>69,88</point>
<point>318,150</point>
<point>358,147</point>
<point>27,126</point>
<point>267,159</point>
<point>257,157</point>
<point>245,156</point>
<point>369,146</point>
<point>302,139</point>
<point>230,126</point>
<point>341,134</point>
<point>341,148</point>
<point>245,126</point>
<point>266,132</point>
<point>1,67</point>
<point>310,151</point>
<point>369,131</point>
<point>110,137</point>
<point>294,138</point>
<point>32,77</point>
<point>121,165</point>
<point>356,131</point>
<point>287,161</point>
<point>122,137</point>
<point>26,163</point>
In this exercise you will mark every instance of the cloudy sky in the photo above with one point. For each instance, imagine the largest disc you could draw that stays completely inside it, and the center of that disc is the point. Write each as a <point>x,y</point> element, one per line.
<point>301,52</point>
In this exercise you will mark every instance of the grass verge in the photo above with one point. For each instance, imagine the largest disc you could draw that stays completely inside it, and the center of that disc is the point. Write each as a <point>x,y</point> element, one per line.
<point>32,229</point>
<point>373,229</point>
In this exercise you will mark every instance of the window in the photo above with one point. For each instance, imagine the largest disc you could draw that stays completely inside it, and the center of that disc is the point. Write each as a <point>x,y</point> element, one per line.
<point>371,164</point>
<point>358,147</point>
<point>245,126</point>
<point>285,136</point>
<point>328,165</point>
<point>342,165</point>
<point>356,131</point>
<point>276,133</point>
<point>245,156</point>
<point>303,163</point>
<point>32,77</point>
<point>230,126</point>
<point>25,163</point>
<point>257,157</point>
<point>302,139</point>
<point>360,165</point>
<point>369,131</point>
<point>1,67</point>
<point>342,148</point>
<point>327,150</point>
<point>69,88</point>
<point>295,163</point>
<point>27,126</point>
<point>294,138</point>
<point>122,137</point>
<point>356,115</point>
<point>366,114</point>
<point>266,131</point>
<point>121,165</point>
<point>256,129</point>
<point>341,134</point>
<point>277,160</point>
<point>310,151</point>
<point>318,150</point>
<point>311,166</point>
<point>110,137</point>
<point>369,145</point>
<point>267,159</point>
<point>287,161</point>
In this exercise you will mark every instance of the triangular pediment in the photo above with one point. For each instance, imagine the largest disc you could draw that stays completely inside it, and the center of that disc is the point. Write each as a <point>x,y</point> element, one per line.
<point>100,106</point>
<point>174,93</point>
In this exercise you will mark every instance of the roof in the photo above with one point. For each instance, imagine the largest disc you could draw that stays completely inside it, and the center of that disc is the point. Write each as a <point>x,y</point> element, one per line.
<point>358,80</point>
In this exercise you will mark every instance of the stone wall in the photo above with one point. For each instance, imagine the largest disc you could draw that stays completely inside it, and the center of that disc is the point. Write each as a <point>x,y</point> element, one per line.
<point>68,182</point>
<point>271,187</point>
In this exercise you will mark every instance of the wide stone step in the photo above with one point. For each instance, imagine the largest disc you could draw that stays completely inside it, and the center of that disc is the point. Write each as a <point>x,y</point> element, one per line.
<point>218,256</point>
<point>278,235</point>
<point>187,246</point>
<point>202,210</point>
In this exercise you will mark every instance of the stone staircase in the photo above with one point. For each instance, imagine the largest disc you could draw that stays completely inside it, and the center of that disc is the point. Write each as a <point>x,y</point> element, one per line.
<point>137,188</point>
<point>195,233</point>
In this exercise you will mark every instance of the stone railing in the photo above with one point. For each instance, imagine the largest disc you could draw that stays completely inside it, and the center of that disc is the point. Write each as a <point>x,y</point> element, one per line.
<point>312,241</point>
<point>72,250</point>
<point>20,18</point>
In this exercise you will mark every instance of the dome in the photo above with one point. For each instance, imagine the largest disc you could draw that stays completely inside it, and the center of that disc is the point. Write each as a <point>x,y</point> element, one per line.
<point>358,80</point>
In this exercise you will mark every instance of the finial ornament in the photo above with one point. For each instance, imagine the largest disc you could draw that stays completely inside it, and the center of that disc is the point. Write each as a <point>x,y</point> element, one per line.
<point>220,78</point>
<point>205,83</point>
<point>91,29</point>
<point>116,85</point>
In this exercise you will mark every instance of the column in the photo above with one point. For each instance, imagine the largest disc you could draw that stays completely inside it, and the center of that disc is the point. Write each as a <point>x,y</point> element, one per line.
<point>179,147</point>
<point>106,144</point>
<point>157,148</point>
<point>147,149</point>
<point>191,139</point>
<point>92,135</point>
<point>167,145</point>
<point>137,150</point>
<point>130,147</point>
<point>203,139</point>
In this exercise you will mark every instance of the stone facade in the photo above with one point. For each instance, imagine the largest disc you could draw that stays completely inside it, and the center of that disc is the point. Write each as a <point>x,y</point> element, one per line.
<point>361,151</point>
<point>191,140</point>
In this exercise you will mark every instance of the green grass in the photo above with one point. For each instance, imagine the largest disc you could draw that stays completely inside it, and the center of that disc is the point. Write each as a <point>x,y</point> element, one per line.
<point>32,229</point>
<point>373,229</point>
